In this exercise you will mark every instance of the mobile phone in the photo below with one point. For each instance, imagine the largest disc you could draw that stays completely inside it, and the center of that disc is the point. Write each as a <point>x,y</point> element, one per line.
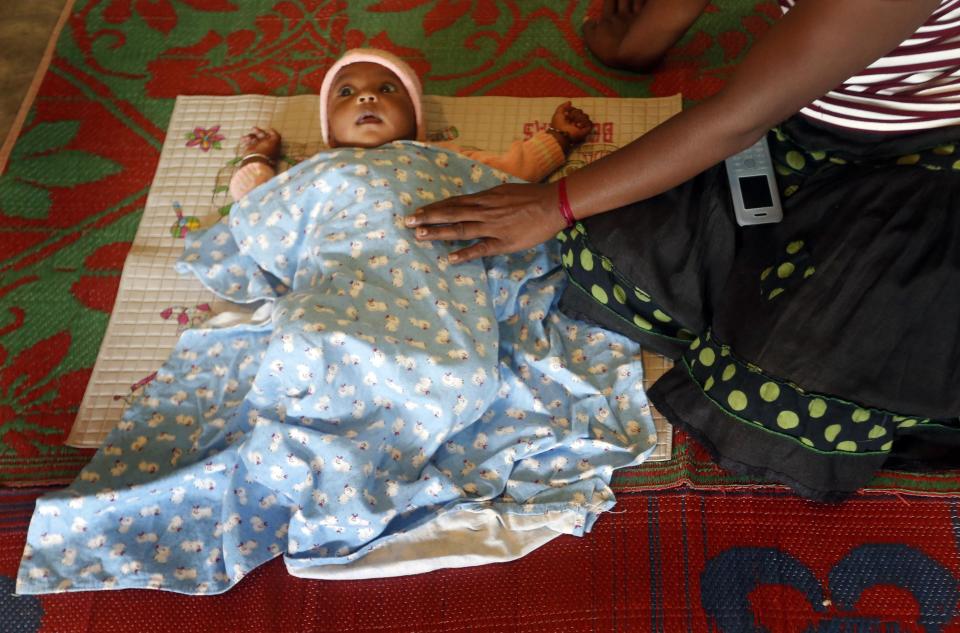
<point>753,186</point>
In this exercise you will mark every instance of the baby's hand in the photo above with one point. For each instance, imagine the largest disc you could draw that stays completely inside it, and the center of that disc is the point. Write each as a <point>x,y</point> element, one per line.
<point>573,122</point>
<point>260,141</point>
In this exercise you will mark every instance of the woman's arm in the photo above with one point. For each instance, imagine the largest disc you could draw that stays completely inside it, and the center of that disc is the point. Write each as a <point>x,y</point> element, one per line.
<point>813,48</point>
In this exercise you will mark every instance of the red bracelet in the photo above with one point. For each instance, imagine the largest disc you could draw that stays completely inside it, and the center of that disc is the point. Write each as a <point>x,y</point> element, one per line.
<point>565,209</point>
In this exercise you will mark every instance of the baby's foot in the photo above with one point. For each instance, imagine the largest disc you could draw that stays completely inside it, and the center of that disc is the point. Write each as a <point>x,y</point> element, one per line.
<point>605,36</point>
<point>636,34</point>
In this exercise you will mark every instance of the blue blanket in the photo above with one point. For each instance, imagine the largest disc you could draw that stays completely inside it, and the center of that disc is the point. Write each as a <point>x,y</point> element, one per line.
<point>386,399</point>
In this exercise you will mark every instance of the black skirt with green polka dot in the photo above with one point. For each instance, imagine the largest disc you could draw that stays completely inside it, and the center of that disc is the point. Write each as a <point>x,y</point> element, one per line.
<point>812,352</point>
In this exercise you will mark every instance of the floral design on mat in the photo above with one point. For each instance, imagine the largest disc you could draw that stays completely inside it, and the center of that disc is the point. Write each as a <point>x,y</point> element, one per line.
<point>184,223</point>
<point>29,385</point>
<point>741,585</point>
<point>205,138</point>
<point>187,317</point>
<point>43,162</point>
<point>136,389</point>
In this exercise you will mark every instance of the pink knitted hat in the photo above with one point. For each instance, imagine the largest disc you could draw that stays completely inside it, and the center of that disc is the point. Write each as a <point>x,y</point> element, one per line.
<point>389,61</point>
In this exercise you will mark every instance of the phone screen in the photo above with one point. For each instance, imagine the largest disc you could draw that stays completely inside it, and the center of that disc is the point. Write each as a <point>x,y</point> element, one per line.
<point>756,192</point>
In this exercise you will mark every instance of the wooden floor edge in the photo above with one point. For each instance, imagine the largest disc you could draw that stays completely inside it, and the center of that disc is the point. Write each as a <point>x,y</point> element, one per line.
<point>28,99</point>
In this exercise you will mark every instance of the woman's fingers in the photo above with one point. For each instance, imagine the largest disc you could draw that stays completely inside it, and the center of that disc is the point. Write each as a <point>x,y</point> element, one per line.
<point>457,209</point>
<point>452,232</point>
<point>504,219</point>
<point>482,248</point>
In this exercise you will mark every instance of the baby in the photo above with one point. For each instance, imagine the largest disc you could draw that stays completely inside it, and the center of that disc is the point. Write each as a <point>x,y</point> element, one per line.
<point>325,242</point>
<point>371,97</point>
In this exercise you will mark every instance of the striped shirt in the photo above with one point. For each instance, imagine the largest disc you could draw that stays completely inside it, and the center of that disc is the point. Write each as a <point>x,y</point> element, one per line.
<point>914,87</point>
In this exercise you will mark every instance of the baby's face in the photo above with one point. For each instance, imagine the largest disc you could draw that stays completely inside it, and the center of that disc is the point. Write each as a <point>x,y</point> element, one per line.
<point>369,106</point>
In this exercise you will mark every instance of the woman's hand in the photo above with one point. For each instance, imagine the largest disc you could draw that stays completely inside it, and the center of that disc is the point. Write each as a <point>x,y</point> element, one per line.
<point>504,219</point>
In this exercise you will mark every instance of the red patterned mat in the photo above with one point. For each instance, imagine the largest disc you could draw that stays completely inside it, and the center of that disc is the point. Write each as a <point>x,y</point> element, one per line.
<point>70,200</point>
<point>659,562</point>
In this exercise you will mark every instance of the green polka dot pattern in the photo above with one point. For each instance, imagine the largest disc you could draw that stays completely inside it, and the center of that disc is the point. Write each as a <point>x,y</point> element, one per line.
<point>819,422</point>
<point>611,290</point>
<point>794,163</point>
<point>793,268</point>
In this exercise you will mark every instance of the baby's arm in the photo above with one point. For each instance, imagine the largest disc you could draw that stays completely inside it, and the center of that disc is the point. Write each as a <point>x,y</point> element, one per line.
<point>537,157</point>
<point>261,150</point>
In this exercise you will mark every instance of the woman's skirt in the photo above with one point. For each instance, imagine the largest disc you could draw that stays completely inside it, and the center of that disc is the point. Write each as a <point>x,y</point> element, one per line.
<point>811,352</point>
